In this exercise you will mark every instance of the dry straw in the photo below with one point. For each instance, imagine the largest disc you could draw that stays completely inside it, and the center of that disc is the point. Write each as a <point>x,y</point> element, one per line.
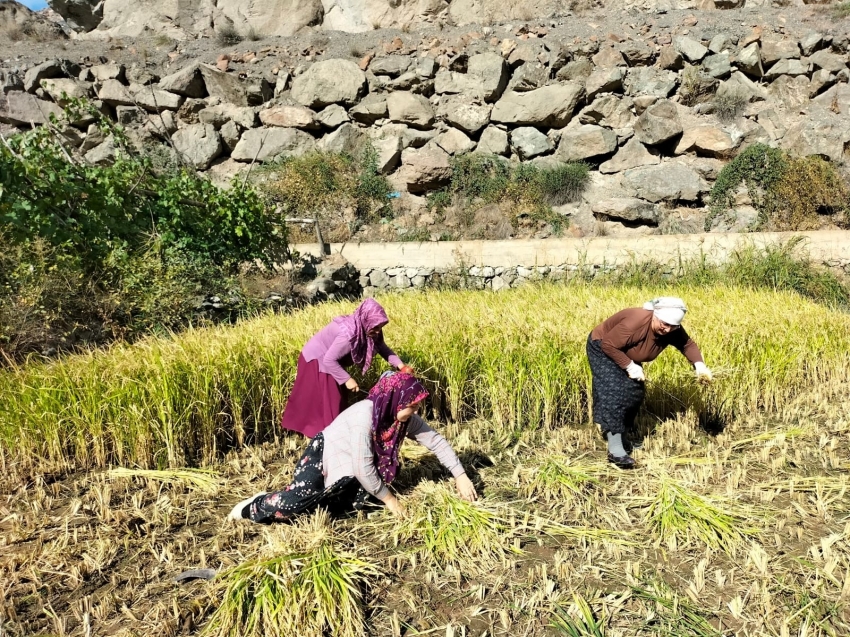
<point>516,359</point>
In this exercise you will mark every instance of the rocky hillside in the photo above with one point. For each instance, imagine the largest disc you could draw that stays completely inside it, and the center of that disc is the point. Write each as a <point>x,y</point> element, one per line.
<point>656,103</point>
<point>189,18</point>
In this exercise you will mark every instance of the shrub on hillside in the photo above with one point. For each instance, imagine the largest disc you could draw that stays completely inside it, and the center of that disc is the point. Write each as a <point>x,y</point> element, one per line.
<point>790,193</point>
<point>323,185</point>
<point>479,179</point>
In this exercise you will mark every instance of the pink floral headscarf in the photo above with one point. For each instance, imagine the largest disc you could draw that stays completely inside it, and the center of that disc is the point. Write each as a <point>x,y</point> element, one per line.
<point>390,395</point>
<point>368,316</point>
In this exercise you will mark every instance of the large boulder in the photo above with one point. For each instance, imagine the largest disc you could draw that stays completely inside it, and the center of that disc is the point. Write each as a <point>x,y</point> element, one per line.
<point>269,17</point>
<point>493,141</point>
<point>604,81</point>
<point>670,181</point>
<point>465,114</point>
<point>266,144</point>
<point>81,14</point>
<point>424,169</point>
<point>707,141</point>
<point>528,142</point>
<point>187,82</point>
<point>64,89</point>
<point>633,154</point>
<point>628,209</point>
<point>199,144</point>
<point>411,109</point>
<point>822,134</point>
<point>586,141</point>
<point>486,78</point>
<point>658,123</point>
<point>454,142</point>
<point>647,80</point>
<point>235,90</point>
<point>390,65</point>
<point>832,62</point>
<point>330,82</point>
<point>48,70</point>
<point>551,106</point>
<point>690,49</point>
<point>22,109</point>
<point>154,99</point>
<point>220,114</point>
<point>371,108</point>
<point>748,60</point>
<point>347,139</point>
<point>289,116</point>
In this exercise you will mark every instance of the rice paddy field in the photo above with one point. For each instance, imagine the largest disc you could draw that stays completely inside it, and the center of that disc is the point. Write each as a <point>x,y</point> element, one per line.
<point>118,468</point>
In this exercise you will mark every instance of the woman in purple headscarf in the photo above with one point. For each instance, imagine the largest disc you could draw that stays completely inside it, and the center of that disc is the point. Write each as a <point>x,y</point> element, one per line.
<point>357,456</point>
<point>316,398</point>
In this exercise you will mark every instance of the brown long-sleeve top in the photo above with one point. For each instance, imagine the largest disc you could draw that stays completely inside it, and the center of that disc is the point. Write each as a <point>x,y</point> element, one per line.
<point>627,336</point>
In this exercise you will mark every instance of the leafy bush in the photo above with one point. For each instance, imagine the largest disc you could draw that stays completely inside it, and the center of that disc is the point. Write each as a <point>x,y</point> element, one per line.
<point>810,187</point>
<point>790,193</point>
<point>316,184</point>
<point>115,250</point>
<point>759,167</point>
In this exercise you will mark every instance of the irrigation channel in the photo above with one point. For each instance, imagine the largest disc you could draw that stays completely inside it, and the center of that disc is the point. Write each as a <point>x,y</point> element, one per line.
<point>119,467</point>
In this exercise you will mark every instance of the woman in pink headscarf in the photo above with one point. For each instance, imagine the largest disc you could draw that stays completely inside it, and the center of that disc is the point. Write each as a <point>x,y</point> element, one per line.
<point>316,398</point>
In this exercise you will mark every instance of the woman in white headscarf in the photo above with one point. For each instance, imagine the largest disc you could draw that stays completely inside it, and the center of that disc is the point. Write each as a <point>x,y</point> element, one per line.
<point>616,348</point>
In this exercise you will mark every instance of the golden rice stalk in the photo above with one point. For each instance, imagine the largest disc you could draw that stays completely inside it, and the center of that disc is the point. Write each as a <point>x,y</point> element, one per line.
<point>203,480</point>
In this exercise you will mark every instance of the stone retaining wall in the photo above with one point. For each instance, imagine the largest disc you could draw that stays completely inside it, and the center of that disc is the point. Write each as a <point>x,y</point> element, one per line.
<point>499,265</point>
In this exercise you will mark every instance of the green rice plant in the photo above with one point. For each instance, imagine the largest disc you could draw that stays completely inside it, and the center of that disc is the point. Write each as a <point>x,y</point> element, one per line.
<point>448,531</point>
<point>198,479</point>
<point>679,516</point>
<point>671,614</point>
<point>516,360</point>
<point>582,623</point>
<point>554,480</point>
<point>312,592</point>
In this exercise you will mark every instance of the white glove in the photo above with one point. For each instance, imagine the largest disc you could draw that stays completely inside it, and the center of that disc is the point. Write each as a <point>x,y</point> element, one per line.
<point>635,371</point>
<point>703,372</point>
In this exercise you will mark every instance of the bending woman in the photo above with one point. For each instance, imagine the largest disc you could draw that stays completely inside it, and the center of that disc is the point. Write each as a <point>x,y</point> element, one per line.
<point>356,457</point>
<point>316,398</point>
<point>616,348</point>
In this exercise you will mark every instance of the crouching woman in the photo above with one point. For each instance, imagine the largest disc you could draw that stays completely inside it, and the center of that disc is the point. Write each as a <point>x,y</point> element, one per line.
<point>616,348</point>
<point>357,456</point>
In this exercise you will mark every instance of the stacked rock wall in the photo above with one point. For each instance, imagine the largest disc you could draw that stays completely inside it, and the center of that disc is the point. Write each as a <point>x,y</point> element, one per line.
<point>640,109</point>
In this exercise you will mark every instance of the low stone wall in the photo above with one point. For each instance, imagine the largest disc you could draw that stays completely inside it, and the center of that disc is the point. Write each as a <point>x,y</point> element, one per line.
<point>499,265</point>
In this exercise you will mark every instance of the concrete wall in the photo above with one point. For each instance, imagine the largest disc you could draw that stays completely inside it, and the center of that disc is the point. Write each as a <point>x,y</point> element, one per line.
<point>832,247</point>
<point>501,264</point>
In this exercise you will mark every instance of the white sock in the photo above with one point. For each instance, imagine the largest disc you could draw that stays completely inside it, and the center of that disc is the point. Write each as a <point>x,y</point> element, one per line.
<point>615,445</point>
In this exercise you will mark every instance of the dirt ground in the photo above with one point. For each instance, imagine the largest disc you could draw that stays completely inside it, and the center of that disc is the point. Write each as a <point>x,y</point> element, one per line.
<point>94,554</point>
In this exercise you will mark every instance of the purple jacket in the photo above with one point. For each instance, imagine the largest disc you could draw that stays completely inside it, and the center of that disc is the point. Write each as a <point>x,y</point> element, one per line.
<point>333,350</point>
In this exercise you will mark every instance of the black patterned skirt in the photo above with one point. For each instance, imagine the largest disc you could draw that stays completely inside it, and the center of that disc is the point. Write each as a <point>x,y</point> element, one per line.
<point>307,491</point>
<point>616,397</point>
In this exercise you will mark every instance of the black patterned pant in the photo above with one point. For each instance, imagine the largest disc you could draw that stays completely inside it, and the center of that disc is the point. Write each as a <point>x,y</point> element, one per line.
<point>616,397</point>
<point>307,491</point>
